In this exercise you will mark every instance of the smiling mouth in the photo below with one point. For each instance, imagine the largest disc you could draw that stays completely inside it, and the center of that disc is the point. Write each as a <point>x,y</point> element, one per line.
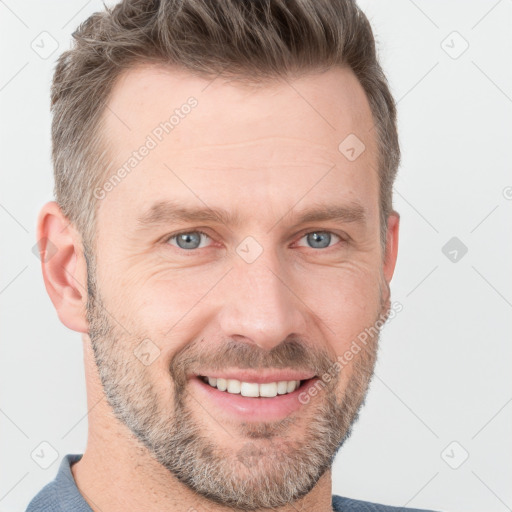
<point>254,389</point>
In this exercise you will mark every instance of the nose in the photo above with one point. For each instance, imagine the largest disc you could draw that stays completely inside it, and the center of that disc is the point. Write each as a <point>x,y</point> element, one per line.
<point>260,304</point>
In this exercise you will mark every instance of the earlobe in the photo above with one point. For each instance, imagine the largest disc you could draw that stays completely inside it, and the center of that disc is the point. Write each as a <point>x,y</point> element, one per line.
<point>63,266</point>
<point>391,245</point>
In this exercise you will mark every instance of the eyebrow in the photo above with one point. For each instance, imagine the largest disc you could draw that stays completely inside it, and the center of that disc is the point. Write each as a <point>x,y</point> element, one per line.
<point>169,212</point>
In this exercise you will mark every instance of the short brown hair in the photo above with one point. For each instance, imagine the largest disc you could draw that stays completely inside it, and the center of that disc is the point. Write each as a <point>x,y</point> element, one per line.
<point>251,40</point>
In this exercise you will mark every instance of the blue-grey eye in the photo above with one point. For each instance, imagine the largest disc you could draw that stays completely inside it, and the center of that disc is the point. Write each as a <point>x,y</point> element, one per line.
<point>189,240</point>
<point>319,239</point>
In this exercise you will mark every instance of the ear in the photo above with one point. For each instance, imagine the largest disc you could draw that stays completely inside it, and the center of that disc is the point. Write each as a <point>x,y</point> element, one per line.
<point>63,265</point>
<point>391,245</point>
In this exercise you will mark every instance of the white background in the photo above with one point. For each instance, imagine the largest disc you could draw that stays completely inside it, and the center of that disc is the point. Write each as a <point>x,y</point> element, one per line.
<point>444,368</point>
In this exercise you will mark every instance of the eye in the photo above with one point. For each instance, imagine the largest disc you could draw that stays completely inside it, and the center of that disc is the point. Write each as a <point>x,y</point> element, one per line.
<point>320,239</point>
<point>191,240</point>
<point>188,240</point>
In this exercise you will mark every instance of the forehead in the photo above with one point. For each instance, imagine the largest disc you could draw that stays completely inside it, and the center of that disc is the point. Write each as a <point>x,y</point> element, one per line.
<point>206,138</point>
<point>333,101</point>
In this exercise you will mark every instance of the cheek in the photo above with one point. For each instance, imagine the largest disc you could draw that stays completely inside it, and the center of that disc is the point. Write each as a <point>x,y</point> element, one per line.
<point>346,302</point>
<point>168,311</point>
<point>166,298</point>
<point>159,297</point>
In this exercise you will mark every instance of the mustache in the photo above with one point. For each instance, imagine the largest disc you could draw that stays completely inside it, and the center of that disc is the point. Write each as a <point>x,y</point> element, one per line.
<point>291,353</point>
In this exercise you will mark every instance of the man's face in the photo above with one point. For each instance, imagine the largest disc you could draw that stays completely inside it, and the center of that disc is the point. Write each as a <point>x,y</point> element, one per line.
<point>260,297</point>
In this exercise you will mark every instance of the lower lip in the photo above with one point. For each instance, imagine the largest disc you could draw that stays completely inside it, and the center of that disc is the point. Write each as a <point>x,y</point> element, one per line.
<point>251,409</point>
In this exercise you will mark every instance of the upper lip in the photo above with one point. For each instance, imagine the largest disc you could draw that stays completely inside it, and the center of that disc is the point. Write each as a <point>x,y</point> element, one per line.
<point>257,376</point>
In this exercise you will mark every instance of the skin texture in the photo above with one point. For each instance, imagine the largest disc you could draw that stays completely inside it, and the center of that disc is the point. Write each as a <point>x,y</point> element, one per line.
<point>264,154</point>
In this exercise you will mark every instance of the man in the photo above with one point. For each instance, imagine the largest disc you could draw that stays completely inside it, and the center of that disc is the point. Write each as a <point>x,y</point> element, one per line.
<point>224,241</point>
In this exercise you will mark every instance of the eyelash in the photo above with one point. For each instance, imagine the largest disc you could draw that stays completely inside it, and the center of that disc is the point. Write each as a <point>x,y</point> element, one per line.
<point>302,235</point>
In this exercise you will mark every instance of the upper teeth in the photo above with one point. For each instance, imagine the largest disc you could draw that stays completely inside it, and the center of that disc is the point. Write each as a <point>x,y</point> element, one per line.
<point>252,389</point>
